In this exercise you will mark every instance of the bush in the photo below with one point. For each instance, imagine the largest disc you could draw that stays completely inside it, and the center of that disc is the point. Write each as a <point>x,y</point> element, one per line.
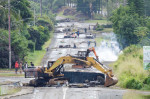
<point>147,80</point>
<point>133,84</point>
<point>107,26</point>
<point>31,45</point>
<point>99,28</point>
<point>45,22</point>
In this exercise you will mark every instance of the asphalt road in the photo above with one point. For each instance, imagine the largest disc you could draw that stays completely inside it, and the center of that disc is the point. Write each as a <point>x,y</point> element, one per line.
<point>73,93</point>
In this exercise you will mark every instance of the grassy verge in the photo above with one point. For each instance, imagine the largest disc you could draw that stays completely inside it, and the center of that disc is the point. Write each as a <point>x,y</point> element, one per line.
<point>98,40</point>
<point>134,95</point>
<point>11,91</point>
<point>11,75</point>
<point>14,90</point>
<point>37,56</point>
<point>129,69</point>
<point>98,21</point>
<point>106,30</point>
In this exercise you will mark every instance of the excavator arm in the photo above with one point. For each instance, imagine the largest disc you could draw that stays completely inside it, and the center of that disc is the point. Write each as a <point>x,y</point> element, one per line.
<point>92,50</point>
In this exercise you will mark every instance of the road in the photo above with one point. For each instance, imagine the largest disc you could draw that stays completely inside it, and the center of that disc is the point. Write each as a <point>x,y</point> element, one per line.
<point>73,93</point>
<point>53,53</point>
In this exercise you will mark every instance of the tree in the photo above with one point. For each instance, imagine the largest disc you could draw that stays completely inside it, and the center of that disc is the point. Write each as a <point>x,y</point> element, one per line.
<point>24,7</point>
<point>147,7</point>
<point>137,6</point>
<point>129,27</point>
<point>19,47</point>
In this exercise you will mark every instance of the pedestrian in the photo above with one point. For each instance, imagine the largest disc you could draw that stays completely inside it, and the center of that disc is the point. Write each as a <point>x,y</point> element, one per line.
<point>47,49</point>
<point>88,43</point>
<point>32,65</point>
<point>89,27</point>
<point>95,43</point>
<point>16,67</point>
<point>20,66</point>
<point>74,46</point>
<point>25,66</point>
<point>77,33</point>
<point>85,30</point>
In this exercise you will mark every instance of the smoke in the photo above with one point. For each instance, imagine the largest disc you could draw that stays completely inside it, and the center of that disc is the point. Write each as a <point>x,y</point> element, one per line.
<point>109,48</point>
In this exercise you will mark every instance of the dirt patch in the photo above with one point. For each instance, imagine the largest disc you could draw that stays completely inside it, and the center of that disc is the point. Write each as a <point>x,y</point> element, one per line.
<point>69,11</point>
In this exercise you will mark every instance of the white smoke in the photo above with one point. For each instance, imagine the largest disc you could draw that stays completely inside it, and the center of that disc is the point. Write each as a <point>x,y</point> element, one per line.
<point>109,48</point>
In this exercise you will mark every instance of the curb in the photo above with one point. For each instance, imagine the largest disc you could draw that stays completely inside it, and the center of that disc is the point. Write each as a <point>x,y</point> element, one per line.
<point>24,91</point>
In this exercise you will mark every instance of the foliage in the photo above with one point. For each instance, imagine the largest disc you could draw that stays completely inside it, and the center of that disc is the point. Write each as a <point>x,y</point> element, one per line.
<point>137,6</point>
<point>19,47</point>
<point>24,38</point>
<point>39,35</point>
<point>147,7</point>
<point>45,22</point>
<point>87,6</point>
<point>99,28</point>
<point>24,7</point>
<point>129,27</point>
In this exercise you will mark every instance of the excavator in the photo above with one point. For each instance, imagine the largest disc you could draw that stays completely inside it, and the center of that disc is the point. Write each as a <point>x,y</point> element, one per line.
<point>54,72</point>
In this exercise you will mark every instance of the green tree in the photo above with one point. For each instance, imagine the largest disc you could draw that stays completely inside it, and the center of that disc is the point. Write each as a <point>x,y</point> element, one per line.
<point>129,27</point>
<point>137,6</point>
<point>39,35</point>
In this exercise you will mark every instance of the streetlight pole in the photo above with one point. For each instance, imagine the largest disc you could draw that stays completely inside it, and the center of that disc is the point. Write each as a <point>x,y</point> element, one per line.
<point>9,34</point>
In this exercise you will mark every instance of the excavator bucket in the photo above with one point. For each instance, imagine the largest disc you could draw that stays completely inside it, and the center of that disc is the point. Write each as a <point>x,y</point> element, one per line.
<point>109,81</point>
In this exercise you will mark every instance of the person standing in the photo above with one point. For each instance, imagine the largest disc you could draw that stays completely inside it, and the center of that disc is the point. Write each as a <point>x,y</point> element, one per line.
<point>16,67</point>
<point>88,43</point>
<point>74,46</point>
<point>85,30</point>
<point>32,65</point>
<point>26,65</point>
<point>20,66</point>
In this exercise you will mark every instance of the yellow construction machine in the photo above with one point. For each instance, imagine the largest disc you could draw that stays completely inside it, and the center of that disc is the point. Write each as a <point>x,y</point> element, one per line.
<point>53,73</point>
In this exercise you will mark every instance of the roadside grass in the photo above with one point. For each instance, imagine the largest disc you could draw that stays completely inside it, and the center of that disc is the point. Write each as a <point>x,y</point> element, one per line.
<point>105,30</point>
<point>37,56</point>
<point>129,69</point>
<point>14,90</point>
<point>11,75</point>
<point>11,91</point>
<point>134,95</point>
<point>6,69</point>
<point>98,40</point>
<point>98,21</point>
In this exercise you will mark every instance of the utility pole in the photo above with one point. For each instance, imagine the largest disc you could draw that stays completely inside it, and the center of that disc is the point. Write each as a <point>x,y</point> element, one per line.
<point>41,7</point>
<point>34,15</point>
<point>9,34</point>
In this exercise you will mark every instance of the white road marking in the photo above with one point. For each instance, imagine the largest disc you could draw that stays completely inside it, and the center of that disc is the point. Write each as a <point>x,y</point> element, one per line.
<point>64,92</point>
